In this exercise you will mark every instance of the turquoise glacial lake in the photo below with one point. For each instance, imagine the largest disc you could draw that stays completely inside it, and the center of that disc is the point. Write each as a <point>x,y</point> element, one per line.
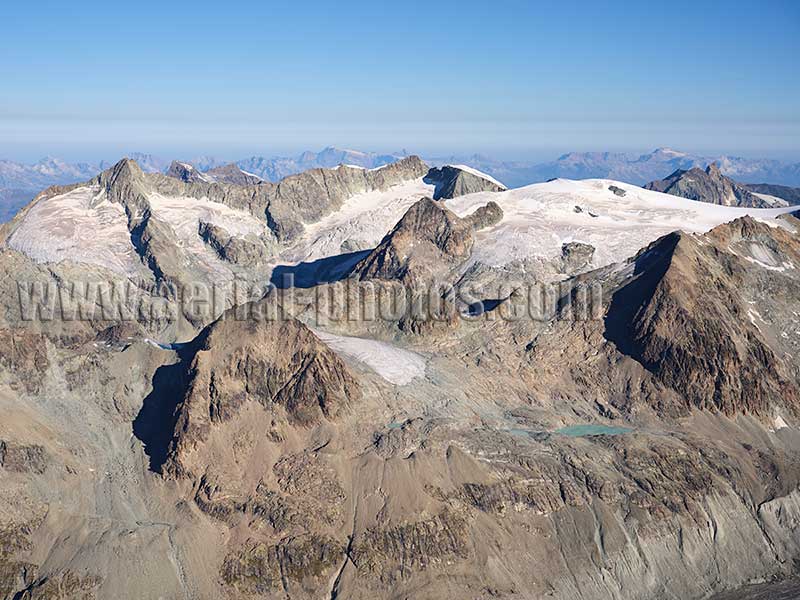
<point>590,430</point>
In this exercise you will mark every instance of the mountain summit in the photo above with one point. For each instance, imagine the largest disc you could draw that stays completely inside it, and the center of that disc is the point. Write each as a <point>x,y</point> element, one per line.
<point>710,185</point>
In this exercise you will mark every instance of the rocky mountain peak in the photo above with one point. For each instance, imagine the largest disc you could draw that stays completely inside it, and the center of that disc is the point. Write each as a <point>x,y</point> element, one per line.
<point>124,182</point>
<point>149,163</point>
<point>486,216</point>
<point>685,317</point>
<point>274,363</point>
<point>412,166</point>
<point>428,241</point>
<point>123,169</point>
<point>708,185</point>
<point>187,173</point>
<point>453,181</point>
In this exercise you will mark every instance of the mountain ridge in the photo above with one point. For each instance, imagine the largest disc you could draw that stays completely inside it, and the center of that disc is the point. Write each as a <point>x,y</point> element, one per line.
<point>19,181</point>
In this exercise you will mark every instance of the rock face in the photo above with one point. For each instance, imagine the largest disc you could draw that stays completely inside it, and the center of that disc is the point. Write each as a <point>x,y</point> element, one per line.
<point>708,185</point>
<point>185,232</point>
<point>488,215</point>
<point>302,198</point>
<point>187,173</point>
<point>452,182</point>
<point>231,173</point>
<point>301,565</point>
<point>276,363</point>
<point>247,250</point>
<point>308,196</point>
<point>427,242</point>
<point>286,206</point>
<point>685,319</point>
<point>576,256</point>
<point>22,458</point>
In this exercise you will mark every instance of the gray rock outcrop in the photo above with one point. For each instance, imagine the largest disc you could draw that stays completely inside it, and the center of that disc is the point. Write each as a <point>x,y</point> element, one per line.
<point>276,363</point>
<point>231,173</point>
<point>488,215</point>
<point>427,242</point>
<point>292,202</point>
<point>708,185</point>
<point>187,173</point>
<point>790,194</point>
<point>452,182</point>
<point>248,250</point>
<point>617,191</point>
<point>684,319</point>
<point>575,256</point>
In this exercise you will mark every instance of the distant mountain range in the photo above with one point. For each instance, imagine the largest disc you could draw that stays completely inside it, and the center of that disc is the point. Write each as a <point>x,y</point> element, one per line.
<point>275,169</point>
<point>46,172</point>
<point>636,169</point>
<point>20,182</point>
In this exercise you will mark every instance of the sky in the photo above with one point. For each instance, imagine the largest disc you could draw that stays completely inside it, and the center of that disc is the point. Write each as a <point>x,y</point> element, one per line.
<point>512,79</point>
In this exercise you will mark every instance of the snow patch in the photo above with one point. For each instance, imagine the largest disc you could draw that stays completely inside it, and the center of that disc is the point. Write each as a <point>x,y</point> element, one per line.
<point>80,226</point>
<point>395,365</point>
<point>763,265</point>
<point>753,314</point>
<point>183,214</point>
<point>250,174</point>
<point>203,176</point>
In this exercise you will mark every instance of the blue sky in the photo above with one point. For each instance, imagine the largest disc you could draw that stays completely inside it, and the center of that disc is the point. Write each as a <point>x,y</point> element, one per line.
<point>90,80</point>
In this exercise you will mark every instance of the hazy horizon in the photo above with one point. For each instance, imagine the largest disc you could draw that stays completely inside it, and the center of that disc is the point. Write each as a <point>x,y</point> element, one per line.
<point>508,81</point>
<point>75,155</point>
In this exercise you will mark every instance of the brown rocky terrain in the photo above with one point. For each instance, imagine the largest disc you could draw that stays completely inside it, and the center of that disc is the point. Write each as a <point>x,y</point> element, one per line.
<point>637,438</point>
<point>688,298</point>
<point>276,363</point>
